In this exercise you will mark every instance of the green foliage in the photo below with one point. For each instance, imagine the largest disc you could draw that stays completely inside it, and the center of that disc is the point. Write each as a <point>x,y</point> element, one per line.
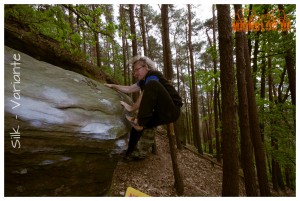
<point>111,27</point>
<point>206,79</point>
<point>47,20</point>
<point>212,51</point>
<point>280,126</point>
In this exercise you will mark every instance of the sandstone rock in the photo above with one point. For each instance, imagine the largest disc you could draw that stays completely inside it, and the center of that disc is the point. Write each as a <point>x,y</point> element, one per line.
<point>63,131</point>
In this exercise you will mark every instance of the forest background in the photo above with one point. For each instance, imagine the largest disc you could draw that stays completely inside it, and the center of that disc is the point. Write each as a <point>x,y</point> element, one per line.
<point>104,36</point>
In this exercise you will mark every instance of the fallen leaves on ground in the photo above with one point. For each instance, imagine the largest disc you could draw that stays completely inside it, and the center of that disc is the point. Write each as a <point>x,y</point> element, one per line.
<point>154,175</point>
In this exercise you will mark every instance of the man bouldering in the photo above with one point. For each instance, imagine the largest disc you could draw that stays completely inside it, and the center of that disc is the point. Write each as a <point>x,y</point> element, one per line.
<point>158,103</point>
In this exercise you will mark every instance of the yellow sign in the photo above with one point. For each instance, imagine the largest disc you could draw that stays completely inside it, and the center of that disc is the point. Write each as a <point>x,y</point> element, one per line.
<point>131,192</point>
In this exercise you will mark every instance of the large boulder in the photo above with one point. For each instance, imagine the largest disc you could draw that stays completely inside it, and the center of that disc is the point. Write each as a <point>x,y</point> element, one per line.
<point>63,131</point>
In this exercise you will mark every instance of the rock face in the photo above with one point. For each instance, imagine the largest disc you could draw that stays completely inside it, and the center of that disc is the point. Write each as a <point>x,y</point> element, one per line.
<point>63,131</point>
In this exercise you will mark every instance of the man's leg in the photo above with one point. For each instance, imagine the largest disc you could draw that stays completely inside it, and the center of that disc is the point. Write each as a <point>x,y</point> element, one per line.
<point>133,140</point>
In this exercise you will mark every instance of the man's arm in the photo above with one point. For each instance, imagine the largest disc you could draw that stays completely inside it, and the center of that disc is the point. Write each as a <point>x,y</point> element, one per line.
<point>134,106</point>
<point>125,89</point>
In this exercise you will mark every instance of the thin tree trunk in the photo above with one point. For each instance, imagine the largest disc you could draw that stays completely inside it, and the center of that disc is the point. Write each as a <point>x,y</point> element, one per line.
<point>128,69</point>
<point>169,75</point>
<point>177,63</point>
<point>123,19</point>
<point>134,42</point>
<point>194,88</point>
<point>204,127</point>
<point>210,133</point>
<point>143,30</point>
<point>96,38</point>
<point>273,140</point>
<point>290,66</point>
<point>230,185</point>
<point>166,40</point>
<point>114,59</point>
<point>259,150</point>
<point>96,35</point>
<point>216,116</point>
<point>72,26</point>
<point>132,29</point>
<point>192,111</point>
<point>276,170</point>
<point>256,46</point>
<point>126,82</point>
<point>287,176</point>
<point>246,144</point>
<point>249,32</point>
<point>262,94</point>
<point>186,111</point>
<point>178,123</point>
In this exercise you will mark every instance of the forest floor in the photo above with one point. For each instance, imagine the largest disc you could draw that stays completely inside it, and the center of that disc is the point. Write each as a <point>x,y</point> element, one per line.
<point>154,174</point>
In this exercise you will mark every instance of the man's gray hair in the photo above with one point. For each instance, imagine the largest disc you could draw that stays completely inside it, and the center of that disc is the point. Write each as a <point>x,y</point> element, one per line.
<point>145,59</point>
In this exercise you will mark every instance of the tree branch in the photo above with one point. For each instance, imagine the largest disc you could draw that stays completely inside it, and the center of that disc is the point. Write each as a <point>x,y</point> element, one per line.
<point>86,22</point>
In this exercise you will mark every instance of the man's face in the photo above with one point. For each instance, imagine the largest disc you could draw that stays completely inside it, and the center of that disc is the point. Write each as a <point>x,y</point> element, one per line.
<point>140,70</point>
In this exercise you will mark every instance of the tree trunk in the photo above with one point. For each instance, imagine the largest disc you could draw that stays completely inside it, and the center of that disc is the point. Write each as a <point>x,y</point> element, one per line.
<point>204,126</point>
<point>230,185</point>
<point>96,38</point>
<point>246,145</point>
<point>130,80</point>
<point>216,116</point>
<point>178,123</point>
<point>72,26</point>
<point>273,140</point>
<point>256,46</point>
<point>262,94</point>
<point>192,111</point>
<point>132,29</point>
<point>209,112</point>
<point>194,88</point>
<point>287,176</point>
<point>178,184</point>
<point>189,136</point>
<point>143,30</point>
<point>276,170</point>
<point>290,66</point>
<point>249,32</point>
<point>170,127</point>
<point>123,32</point>
<point>134,43</point>
<point>259,150</point>
<point>166,40</point>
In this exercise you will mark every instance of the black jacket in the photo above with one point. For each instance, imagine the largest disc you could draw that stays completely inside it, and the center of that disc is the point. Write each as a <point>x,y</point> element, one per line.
<point>156,75</point>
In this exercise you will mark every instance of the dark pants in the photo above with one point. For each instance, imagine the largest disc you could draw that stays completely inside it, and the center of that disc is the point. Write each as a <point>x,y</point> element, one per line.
<point>133,140</point>
<point>156,108</point>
